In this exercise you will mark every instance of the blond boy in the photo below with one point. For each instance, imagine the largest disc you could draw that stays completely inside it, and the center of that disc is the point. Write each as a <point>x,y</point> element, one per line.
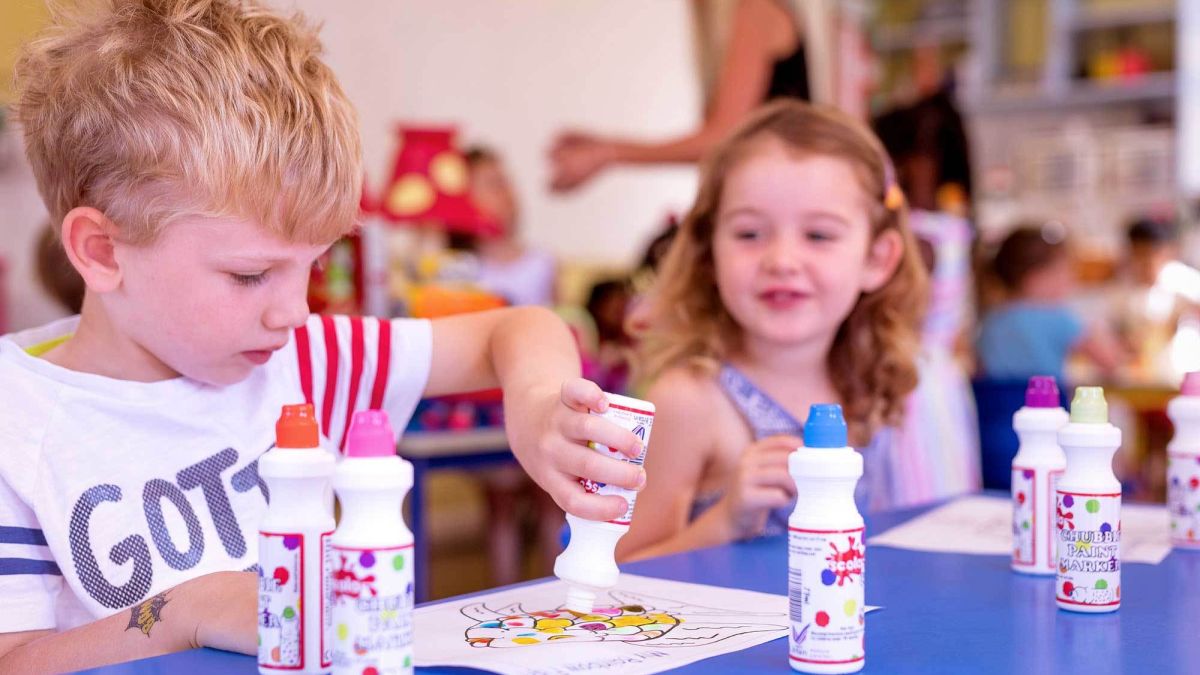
<point>200,158</point>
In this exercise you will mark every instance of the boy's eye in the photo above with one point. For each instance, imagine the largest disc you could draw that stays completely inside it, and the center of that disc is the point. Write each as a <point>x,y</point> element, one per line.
<point>248,279</point>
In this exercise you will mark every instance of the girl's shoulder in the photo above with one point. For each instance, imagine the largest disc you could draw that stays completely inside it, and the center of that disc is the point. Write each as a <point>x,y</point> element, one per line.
<point>685,386</point>
<point>689,401</point>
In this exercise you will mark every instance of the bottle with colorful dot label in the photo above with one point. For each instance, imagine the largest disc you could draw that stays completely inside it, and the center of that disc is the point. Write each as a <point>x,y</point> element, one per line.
<point>293,549</point>
<point>1088,509</point>
<point>826,551</point>
<point>373,554</point>
<point>1035,472</point>
<point>1183,465</point>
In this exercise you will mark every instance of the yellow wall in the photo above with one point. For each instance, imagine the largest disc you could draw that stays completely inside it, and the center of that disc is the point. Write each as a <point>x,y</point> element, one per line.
<point>19,20</point>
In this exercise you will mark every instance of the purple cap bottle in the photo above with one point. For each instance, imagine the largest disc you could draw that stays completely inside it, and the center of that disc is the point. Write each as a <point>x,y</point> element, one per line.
<point>1042,392</point>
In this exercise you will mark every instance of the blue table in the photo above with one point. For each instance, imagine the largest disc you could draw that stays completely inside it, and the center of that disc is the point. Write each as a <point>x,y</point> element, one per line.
<point>943,613</point>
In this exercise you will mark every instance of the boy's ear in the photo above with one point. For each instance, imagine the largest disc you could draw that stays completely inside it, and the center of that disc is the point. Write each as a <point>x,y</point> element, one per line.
<point>883,257</point>
<point>89,240</point>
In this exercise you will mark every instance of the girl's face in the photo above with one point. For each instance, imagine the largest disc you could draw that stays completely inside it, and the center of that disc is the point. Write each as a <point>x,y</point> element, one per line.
<point>792,246</point>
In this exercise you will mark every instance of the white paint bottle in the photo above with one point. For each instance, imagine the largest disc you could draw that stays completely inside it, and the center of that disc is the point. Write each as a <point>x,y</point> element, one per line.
<point>372,553</point>
<point>1089,509</point>
<point>1183,465</point>
<point>588,564</point>
<point>1035,471</point>
<point>293,548</point>
<point>826,550</point>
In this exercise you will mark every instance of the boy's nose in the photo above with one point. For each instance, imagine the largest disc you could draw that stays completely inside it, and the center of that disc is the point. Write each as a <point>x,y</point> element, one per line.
<point>288,311</point>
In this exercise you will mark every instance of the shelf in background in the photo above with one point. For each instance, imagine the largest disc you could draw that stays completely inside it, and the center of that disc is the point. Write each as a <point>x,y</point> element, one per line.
<point>1080,94</point>
<point>1092,19</point>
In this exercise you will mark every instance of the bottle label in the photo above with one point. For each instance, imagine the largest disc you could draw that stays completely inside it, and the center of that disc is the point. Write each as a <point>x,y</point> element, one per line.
<point>1089,548</point>
<point>639,422</point>
<point>373,605</point>
<point>1032,517</point>
<point>825,596</point>
<point>326,600</point>
<point>280,610</point>
<point>1183,498</point>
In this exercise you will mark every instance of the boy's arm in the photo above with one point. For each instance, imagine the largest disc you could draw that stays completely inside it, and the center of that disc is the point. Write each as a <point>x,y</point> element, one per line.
<point>530,354</point>
<point>215,610</point>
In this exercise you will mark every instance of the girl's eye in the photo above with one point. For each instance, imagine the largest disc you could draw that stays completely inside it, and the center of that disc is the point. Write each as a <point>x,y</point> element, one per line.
<point>746,234</point>
<point>248,279</point>
<point>819,236</point>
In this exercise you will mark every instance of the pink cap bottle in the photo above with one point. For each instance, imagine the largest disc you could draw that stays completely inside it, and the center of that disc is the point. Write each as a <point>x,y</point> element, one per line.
<point>370,435</point>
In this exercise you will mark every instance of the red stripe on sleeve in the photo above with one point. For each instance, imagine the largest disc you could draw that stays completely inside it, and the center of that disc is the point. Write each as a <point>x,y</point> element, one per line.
<point>382,364</point>
<point>331,371</point>
<point>356,369</point>
<point>304,357</point>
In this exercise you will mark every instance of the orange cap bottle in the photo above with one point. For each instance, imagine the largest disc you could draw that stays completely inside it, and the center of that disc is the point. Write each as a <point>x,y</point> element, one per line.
<point>297,427</point>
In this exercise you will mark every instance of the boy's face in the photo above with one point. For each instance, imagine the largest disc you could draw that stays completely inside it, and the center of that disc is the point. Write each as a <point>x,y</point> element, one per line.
<point>211,299</point>
<point>493,193</point>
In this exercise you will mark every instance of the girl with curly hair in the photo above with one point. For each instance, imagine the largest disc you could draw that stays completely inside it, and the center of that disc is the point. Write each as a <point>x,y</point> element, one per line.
<point>793,280</point>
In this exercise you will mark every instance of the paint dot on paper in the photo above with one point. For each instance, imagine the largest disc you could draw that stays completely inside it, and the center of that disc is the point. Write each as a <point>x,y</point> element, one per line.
<point>1092,506</point>
<point>367,559</point>
<point>822,619</point>
<point>525,641</point>
<point>291,542</point>
<point>398,562</point>
<point>828,577</point>
<point>593,626</point>
<point>850,608</point>
<point>1068,500</point>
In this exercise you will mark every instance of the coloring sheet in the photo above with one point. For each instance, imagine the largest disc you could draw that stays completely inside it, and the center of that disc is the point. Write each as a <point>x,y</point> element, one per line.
<point>983,525</point>
<point>645,625</point>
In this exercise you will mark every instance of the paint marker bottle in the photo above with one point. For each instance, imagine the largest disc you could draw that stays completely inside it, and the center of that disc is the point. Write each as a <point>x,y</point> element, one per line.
<point>293,548</point>
<point>1035,471</point>
<point>1183,465</point>
<point>826,551</point>
<point>372,554</point>
<point>1089,509</point>
<point>588,564</point>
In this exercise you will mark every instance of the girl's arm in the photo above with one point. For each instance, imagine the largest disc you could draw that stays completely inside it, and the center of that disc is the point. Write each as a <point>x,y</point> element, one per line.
<point>761,32</point>
<point>530,354</point>
<point>681,445</point>
<point>216,610</point>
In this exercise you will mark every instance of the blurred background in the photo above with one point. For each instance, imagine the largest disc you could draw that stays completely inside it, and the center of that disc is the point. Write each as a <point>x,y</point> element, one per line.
<point>1050,150</point>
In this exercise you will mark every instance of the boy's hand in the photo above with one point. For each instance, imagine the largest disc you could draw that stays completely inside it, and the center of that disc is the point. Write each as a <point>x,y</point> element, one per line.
<point>550,436</point>
<point>762,483</point>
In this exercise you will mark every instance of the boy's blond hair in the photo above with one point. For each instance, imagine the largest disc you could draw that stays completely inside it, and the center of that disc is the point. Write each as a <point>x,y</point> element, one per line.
<point>150,110</point>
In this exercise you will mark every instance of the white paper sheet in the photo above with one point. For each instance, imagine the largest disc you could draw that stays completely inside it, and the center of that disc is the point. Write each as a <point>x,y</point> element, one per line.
<point>645,625</point>
<point>983,525</point>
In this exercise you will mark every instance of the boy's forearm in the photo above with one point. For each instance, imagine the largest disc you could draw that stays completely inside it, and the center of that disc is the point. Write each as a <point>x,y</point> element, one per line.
<point>532,347</point>
<point>171,621</point>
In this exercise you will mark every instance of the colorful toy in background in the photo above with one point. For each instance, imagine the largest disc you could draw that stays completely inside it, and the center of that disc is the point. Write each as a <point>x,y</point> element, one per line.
<point>826,550</point>
<point>1183,465</point>
<point>1088,509</point>
<point>1035,472</point>
<point>335,285</point>
<point>459,412</point>
<point>372,552</point>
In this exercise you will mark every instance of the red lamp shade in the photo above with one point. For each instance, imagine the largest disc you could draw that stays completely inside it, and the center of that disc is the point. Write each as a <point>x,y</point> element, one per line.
<point>429,184</point>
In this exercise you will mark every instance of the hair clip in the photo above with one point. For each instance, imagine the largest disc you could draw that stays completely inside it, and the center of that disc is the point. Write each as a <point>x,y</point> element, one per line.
<point>893,196</point>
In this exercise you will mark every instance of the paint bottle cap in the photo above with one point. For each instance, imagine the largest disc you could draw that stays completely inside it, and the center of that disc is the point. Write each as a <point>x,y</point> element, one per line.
<point>580,599</point>
<point>1089,406</point>
<point>297,427</point>
<point>1042,392</point>
<point>825,427</point>
<point>370,435</point>
<point>1191,384</point>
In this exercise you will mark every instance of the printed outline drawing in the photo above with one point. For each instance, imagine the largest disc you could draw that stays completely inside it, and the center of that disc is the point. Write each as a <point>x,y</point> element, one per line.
<point>631,618</point>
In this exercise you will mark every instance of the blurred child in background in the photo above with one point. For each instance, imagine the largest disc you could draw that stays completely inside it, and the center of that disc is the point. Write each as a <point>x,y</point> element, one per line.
<point>520,274</point>
<point>793,280</point>
<point>1033,331</point>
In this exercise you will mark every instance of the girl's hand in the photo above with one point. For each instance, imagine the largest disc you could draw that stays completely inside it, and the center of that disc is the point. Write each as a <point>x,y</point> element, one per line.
<point>576,158</point>
<point>550,438</point>
<point>762,483</point>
